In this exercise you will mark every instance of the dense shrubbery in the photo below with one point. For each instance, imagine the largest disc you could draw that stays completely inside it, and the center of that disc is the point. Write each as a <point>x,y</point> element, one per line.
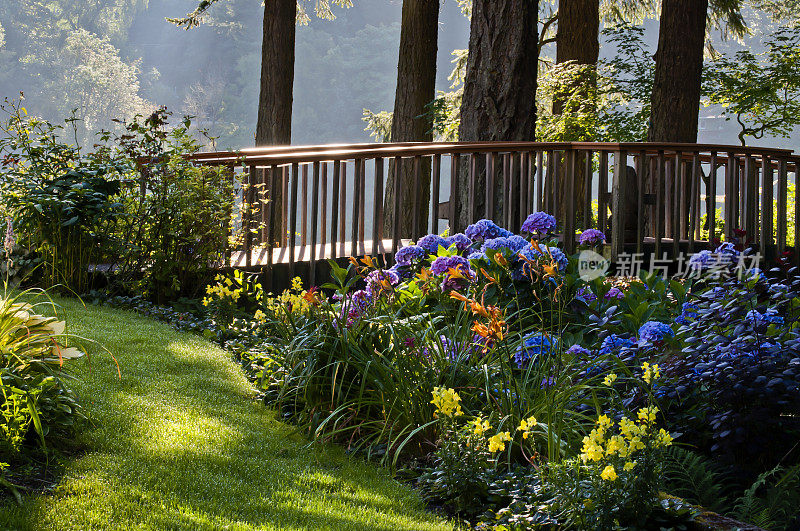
<point>133,204</point>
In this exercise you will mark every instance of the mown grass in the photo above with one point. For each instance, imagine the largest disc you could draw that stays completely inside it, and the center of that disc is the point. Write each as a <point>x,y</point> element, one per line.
<point>179,443</point>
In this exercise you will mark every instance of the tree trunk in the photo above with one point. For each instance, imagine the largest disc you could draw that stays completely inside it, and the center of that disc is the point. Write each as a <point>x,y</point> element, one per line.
<point>577,40</point>
<point>416,88</point>
<point>499,100</point>
<point>675,102</point>
<point>274,125</point>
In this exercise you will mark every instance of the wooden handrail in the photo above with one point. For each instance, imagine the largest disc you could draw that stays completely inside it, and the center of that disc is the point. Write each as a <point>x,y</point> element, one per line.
<point>673,185</point>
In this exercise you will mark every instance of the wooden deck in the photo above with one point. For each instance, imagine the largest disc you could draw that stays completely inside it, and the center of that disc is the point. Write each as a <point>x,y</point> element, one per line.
<point>321,252</point>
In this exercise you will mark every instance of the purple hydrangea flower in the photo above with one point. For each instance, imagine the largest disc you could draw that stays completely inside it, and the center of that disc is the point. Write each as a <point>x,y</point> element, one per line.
<point>592,237</point>
<point>354,305</point>
<point>375,281</point>
<point>485,229</point>
<point>461,241</point>
<point>539,223</point>
<point>586,295</point>
<point>579,352</point>
<point>404,272</point>
<point>655,332</point>
<point>727,248</point>
<point>534,345</point>
<point>432,242</point>
<point>410,255</point>
<point>613,344</point>
<point>443,264</point>
<point>614,293</point>
<point>701,261</point>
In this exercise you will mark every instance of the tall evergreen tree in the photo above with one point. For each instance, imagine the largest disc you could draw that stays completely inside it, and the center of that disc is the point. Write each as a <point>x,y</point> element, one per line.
<point>411,120</point>
<point>499,101</point>
<point>675,101</point>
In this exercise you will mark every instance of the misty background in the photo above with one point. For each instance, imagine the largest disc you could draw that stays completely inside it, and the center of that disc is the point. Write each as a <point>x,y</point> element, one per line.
<point>110,59</point>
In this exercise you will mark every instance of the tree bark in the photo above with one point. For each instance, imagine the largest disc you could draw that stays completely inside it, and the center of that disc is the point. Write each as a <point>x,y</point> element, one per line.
<point>499,100</point>
<point>411,122</point>
<point>675,101</point>
<point>577,40</point>
<point>274,125</point>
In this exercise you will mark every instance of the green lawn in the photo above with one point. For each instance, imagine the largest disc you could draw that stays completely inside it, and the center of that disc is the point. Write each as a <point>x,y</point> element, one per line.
<point>178,443</point>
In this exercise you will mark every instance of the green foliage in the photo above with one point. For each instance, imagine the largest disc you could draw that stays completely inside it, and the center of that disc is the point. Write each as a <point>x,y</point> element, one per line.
<point>772,501</point>
<point>62,202</point>
<point>761,91</point>
<point>694,478</point>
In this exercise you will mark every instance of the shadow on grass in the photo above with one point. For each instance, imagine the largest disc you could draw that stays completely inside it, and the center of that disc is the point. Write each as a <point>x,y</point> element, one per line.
<point>178,443</point>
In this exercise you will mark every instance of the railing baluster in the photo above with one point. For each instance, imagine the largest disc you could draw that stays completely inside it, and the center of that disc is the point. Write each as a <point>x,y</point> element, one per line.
<point>766,204</point>
<point>782,219</point>
<point>357,192</point>
<point>454,162</point>
<point>488,211</point>
<point>335,209</point>
<point>588,175</point>
<point>602,192</point>
<point>749,210</point>
<point>618,204</point>
<point>416,210</point>
<point>730,168</point>
<point>362,200</point>
<point>377,209</point>
<point>677,202</point>
<point>343,205</point>
<point>569,215</point>
<point>539,180</point>
<point>272,213</point>
<point>285,202</point>
<point>641,161</point>
<point>323,231</point>
<point>796,246</point>
<point>436,164</point>
<point>304,208</point>
<point>711,200</point>
<point>247,215</point>
<point>473,175</point>
<point>693,207</point>
<point>660,206</point>
<point>508,168</point>
<point>314,213</point>
<point>293,219</point>
<point>524,188</point>
<point>398,185</point>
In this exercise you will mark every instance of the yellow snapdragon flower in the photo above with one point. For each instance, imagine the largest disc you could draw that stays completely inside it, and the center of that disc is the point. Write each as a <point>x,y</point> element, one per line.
<point>650,372</point>
<point>497,443</point>
<point>609,379</point>
<point>608,473</point>
<point>447,402</point>
<point>480,426</point>
<point>525,426</point>
<point>628,466</point>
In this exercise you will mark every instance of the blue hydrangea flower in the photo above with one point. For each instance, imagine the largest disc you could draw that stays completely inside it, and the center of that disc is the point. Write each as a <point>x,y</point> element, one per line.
<point>534,345</point>
<point>613,344</point>
<point>404,272</point>
<point>771,316</point>
<point>701,261</point>
<point>443,264</point>
<point>689,312</point>
<point>592,237</point>
<point>485,229</point>
<point>512,243</point>
<point>410,255</point>
<point>461,241</point>
<point>727,248</point>
<point>539,223</point>
<point>560,258</point>
<point>478,255</point>
<point>432,242</point>
<point>579,352</point>
<point>655,332</point>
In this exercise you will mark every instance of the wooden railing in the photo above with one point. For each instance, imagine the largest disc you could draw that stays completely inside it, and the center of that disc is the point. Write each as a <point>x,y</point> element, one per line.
<point>641,195</point>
